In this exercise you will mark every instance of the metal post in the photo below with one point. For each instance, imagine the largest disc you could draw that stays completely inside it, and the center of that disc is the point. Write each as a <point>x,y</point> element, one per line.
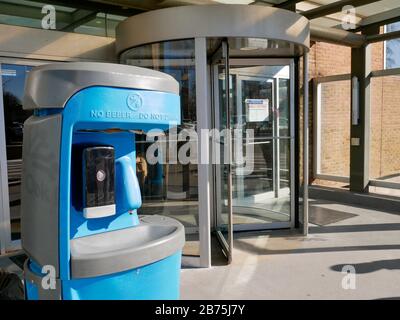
<point>5,228</point>
<point>305,144</point>
<point>275,141</point>
<point>225,50</point>
<point>360,122</point>
<point>203,168</point>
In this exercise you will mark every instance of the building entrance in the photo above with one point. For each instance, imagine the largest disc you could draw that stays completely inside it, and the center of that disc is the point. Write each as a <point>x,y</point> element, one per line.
<point>252,146</point>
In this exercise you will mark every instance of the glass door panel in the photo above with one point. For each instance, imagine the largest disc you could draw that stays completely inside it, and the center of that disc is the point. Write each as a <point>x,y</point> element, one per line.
<point>262,183</point>
<point>222,85</point>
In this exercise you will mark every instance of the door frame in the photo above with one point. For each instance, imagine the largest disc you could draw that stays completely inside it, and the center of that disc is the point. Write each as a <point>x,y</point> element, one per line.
<point>265,62</point>
<point>6,242</point>
<point>222,53</point>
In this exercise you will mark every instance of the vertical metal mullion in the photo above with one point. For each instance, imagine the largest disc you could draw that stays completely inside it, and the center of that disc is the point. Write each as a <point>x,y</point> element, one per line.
<point>5,223</point>
<point>210,117</point>
<point>317,111</point>
<point>305,143</point>
<point>225,50</point>
<point>275,141</point>
<point>239,155</point>
<point>215,156</point>
<point>202,109</point>
<point>292,144</point>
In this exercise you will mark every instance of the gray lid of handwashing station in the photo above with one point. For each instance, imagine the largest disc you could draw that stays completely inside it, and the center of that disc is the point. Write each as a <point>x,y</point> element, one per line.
<point>51,85</point>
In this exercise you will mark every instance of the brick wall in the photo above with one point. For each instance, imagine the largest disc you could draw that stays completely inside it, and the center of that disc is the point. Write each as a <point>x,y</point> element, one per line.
<point>328,59</point>
<point>335,128</point>
<point>385,155</point>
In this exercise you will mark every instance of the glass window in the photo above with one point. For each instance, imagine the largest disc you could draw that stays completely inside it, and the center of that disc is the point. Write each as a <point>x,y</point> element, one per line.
<point>13,82</point>
<point>29,14</point>
<point>385,133</point>
<point>170,189</point>
<point>393,48</point>
<point>102,24</point>
<point>334,128</point>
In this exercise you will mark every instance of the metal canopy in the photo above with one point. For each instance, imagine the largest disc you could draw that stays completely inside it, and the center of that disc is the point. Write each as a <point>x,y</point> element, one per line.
<point>326,16</point>
<point>288,30</point>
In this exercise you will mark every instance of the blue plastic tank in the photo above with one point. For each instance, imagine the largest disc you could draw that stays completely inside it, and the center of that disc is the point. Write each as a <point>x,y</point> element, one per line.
<point>80,193</point>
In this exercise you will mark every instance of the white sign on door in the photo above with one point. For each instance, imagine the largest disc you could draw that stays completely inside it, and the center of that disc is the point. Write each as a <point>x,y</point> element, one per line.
<point>257,110</point>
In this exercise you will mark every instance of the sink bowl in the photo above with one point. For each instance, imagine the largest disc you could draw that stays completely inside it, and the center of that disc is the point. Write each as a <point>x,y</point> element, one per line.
<point>155,238</point>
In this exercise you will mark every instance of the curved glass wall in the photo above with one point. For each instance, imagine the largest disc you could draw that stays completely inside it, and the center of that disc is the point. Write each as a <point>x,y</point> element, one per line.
<point>171,188</point>
<point>265,195</point>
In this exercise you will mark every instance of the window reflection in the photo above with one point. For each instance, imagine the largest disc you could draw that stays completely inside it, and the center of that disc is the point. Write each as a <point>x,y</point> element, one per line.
<point>169,189</point>
<point>13,82</point>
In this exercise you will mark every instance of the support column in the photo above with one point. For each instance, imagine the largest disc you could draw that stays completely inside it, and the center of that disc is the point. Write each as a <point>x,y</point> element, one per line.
<point>360,115</point>
<point>204,174</point>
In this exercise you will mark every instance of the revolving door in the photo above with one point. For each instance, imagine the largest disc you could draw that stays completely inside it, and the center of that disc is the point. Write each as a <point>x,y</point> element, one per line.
<point>238,70</point>
<point>254,188</point>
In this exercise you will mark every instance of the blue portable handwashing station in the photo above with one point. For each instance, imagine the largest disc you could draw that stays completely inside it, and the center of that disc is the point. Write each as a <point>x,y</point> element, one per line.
<point>80,193</point>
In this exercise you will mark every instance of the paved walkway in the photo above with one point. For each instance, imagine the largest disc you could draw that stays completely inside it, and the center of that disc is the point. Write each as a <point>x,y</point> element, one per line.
<point>283,265</point>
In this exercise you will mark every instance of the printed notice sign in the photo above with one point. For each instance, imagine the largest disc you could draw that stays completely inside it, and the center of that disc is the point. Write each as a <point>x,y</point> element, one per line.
<point>257,110</point>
